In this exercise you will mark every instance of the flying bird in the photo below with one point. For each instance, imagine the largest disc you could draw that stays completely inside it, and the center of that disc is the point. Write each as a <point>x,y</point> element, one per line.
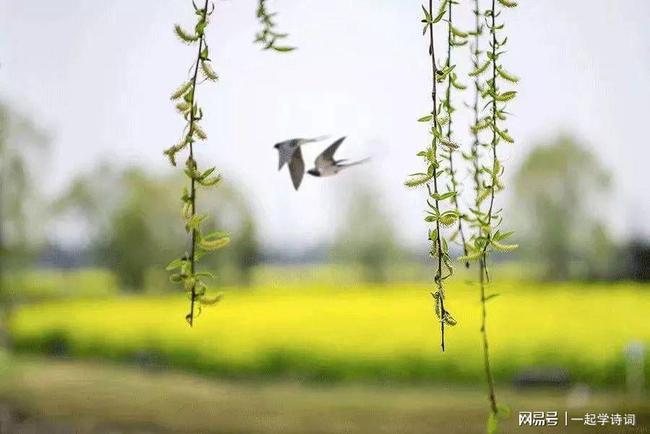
<point>326,165</point>
<point>289,152</point>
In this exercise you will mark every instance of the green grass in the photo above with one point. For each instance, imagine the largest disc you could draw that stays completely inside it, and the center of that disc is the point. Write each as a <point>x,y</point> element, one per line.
<point>355,332</point>
<point>38,285</point>
<point>90,398</point>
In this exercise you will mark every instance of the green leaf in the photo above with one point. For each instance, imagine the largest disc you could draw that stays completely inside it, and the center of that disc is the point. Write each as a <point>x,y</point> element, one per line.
<point>207,173</point>
<point>426,118</point>
<point>214,243</point>
<point>181,90</point>
<point>503,247</point>
<point>183,107</point>
<point>176,263</point>
<point>443,196</point>
<point>448,218</point>
<point>456,84</point>
<point>436,297</point>
<point>184,35</point>
<point>504,135</point>
<point>448,143</point>
<point>200,27</point>
<point>441,11</point>
<point>211,301</point>
<point>282,49</point>
<point>198,131</point>
<point>417,179</point>
<point>175,278</point>
<point>506,76</point>
<point>506,96</point>
<point>449,320</point>
<point>209,182</point>
<point>481,69</point>
<point>508,3</point>
<point>205,274</point>
<point>457,32</point>
<point>492,424</point>
<point>473,256</point>
<point>500,236</point>
<point>194,222</point>
<point>427,15</point>
<point>208,72</point>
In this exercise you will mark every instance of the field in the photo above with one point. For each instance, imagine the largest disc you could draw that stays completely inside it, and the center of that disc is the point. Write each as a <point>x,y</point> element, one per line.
<point>58,396</point>
<point>354,332</point>
<point>37,285</point>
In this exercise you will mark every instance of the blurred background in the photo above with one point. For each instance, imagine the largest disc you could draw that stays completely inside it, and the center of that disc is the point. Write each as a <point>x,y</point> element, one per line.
<point>327,323</point>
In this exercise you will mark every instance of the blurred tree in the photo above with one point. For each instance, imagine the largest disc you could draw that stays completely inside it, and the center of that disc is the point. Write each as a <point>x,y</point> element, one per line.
<point>555,190</point>
<point>133,226</point>
<point>637,260</point>
<point>366,236</point>
<point>21,144</point>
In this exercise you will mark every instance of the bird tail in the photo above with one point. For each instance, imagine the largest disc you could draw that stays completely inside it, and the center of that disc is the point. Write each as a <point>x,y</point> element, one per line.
<point>315,139</point>
<point>354,163</point>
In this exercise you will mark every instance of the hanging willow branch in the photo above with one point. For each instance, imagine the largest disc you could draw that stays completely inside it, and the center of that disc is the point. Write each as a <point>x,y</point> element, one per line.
<point>455,38</point>
<point>480,193</point>
<point>439,250</point>
<point>487,178</point>
<point>267,36</point>
<point>184,269</point>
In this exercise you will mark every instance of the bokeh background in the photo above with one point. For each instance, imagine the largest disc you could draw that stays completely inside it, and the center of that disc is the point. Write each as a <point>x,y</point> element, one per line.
<point>327,323</point>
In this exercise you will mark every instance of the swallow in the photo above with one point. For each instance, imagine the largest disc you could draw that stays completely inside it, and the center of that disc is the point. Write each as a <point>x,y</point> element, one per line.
<point>326,165</point>
<point>289,152</point>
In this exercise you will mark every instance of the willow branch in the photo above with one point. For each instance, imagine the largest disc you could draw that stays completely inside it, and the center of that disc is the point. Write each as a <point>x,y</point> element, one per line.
<point>450,110</point>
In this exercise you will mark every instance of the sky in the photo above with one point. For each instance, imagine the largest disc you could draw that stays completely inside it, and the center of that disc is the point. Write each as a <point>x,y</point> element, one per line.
<point>97,77</point>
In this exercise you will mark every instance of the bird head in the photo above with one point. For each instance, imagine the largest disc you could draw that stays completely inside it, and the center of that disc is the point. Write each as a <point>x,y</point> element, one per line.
<point>313,172</point>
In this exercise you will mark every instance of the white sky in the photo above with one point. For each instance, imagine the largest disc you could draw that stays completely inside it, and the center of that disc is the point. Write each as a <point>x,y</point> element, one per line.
<point>97,75</point>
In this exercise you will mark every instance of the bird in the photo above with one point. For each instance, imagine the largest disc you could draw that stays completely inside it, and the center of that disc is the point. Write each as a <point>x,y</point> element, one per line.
<point>289,152</point>
<point>326,165</point>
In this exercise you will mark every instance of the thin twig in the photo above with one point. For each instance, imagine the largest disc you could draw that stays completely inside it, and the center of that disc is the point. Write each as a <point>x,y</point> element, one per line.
<point>192,257</point>
<point>483,268</point>
<point>434,112</point>
<point>452,172</point>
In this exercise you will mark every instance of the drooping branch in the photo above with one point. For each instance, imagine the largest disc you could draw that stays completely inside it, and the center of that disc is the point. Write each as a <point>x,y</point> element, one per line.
<point>268,37</point>
<point>185,268</point>
<point>439,250</point>
<point>487,177</point>
<point>455,38</point>
<point>478,199</point>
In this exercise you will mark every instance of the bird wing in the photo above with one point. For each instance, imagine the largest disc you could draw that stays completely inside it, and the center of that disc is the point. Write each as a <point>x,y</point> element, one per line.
<point>354,163</point>
<point>286,150</point>
<point>297,168</point>
<point>326,158</point>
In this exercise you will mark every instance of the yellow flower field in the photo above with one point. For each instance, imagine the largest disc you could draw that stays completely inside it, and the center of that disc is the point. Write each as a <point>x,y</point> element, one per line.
<point>359,332</point>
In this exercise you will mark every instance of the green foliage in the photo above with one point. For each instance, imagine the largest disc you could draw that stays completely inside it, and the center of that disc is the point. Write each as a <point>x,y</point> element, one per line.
<point>22,148</point>
<point>455,38</point>
<point>131,224</point>
<point>556,188</point>
<point>268,37</point>
<point>365,237</point>
<point>485,236</point>
<point>438,162</point>
<point>40,285</point>
<point>184,268</point>
<point>487,176</point>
